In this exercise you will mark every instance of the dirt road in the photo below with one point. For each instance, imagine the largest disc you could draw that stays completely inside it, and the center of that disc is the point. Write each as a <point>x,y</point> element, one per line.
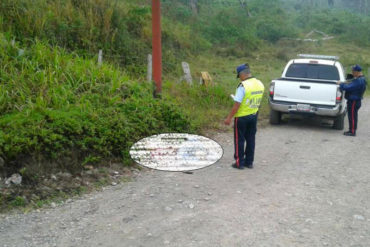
<point>310,187</point>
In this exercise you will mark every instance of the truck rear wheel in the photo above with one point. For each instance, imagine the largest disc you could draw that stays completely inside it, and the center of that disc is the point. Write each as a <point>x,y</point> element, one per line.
<point>339,122</point>
<point>275,117</point>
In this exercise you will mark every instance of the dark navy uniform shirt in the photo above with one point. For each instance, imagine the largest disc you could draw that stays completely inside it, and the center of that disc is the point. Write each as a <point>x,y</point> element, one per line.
<point>355,89</point>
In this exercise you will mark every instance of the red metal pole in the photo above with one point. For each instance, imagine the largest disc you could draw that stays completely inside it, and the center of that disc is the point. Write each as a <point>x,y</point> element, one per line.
<point>157,46</point>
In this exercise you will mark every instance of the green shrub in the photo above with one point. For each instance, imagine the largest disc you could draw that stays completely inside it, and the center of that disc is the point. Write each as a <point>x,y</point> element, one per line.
<point>57,105</point>
<point>18,202</point>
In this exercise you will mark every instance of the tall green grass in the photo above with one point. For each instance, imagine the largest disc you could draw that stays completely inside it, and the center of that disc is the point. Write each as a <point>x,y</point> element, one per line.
<point>206,106</point>
<point>122,29</point>
<point>56,105</point>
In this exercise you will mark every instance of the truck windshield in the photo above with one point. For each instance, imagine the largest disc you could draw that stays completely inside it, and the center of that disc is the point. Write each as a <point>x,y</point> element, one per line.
<point>313,71</point>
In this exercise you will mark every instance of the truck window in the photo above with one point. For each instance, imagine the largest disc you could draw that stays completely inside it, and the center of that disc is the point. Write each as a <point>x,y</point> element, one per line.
<point>313,71</point>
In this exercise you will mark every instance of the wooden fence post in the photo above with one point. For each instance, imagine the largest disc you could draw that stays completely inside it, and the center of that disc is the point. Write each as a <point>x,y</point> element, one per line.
<point>187,73</point>
<point>245,6</point>
<point>100,58</point>
<point>150,68</point>
<point>20,52</point>
<point>194,7</point>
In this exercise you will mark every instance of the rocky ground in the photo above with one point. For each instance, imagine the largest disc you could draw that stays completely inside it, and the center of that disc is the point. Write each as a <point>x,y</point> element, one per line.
<point>310,187</point>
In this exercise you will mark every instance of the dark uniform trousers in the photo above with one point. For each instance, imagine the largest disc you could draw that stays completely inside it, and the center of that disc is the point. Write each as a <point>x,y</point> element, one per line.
<point>245,129</point>
<point>353,106</point>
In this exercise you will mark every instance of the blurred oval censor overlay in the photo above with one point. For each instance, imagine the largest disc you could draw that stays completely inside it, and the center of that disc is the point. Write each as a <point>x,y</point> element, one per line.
<point>176,152</point>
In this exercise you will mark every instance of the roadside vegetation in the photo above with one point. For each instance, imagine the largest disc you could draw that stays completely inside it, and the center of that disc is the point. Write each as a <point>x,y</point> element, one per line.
<point>62,112</point>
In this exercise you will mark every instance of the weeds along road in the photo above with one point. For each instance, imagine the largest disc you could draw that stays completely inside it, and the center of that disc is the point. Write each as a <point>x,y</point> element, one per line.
<point>310,187</point>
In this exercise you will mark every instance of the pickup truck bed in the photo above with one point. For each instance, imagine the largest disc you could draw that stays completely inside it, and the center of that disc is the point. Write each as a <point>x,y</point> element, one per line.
<point>308,86</point>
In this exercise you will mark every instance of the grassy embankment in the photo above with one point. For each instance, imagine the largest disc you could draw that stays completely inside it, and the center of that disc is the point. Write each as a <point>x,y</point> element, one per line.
<point>60,112</point>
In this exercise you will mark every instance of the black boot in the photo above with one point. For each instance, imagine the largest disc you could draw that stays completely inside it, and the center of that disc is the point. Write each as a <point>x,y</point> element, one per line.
<point>237,167</point>
<point>349,133</point>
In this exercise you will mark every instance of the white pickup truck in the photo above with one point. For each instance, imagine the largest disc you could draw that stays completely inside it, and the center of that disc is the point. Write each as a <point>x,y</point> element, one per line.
<point>308,86</point>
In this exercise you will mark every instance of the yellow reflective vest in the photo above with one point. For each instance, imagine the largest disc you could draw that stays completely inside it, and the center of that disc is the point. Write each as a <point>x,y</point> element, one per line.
<point>252,99</point>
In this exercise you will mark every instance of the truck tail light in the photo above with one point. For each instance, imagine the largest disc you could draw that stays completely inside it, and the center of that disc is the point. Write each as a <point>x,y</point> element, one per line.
<point>339,95</point>
<point>272,88</point>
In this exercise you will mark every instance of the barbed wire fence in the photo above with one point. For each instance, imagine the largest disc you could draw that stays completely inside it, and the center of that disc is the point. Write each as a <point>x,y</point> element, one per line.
<point>115,58</point>
<point>146,60</point>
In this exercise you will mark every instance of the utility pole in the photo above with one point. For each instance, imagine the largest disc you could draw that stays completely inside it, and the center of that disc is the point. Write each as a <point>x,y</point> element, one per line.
<point>157,47</point>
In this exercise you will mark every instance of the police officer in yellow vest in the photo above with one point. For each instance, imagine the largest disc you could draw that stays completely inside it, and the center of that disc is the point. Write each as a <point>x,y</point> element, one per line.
<point>245,111</point>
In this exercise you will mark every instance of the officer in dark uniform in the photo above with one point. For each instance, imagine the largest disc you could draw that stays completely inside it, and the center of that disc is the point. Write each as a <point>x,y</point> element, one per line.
<point>354,94</point>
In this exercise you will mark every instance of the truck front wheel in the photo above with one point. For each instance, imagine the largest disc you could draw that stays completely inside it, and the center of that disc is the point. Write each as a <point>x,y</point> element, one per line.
<point>275,117</point>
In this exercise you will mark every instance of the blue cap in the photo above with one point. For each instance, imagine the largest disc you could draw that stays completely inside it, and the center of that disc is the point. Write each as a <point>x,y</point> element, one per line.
<point>242,67</point>
<point>357,68</point>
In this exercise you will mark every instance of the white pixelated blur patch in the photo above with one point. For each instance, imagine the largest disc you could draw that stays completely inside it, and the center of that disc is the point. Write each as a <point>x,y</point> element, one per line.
<point>176,152</point>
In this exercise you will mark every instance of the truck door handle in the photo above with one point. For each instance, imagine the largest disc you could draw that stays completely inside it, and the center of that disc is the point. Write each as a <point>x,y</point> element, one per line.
<point>305,87</point>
